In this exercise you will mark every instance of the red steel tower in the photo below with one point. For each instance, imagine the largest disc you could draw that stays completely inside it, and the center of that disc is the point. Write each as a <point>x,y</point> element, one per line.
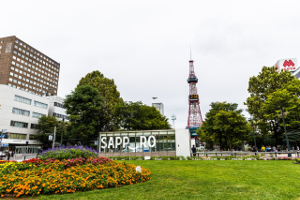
<point>195,117</point>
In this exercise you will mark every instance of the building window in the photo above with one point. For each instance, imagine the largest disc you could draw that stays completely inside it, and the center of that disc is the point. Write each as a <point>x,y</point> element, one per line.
<point>18,124</point>
<point>37,115</point>
<point>60,115</point>
<point>22,99</point>
<point>58,104</point>
<point>32,137</point>
<point>17,136</point>
<point>20,111</point>
<point>34,126</point>
<point>41,105</point>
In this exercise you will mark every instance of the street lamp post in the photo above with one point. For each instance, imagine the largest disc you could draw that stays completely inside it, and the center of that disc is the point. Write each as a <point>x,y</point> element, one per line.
<point>62,132</point>
<point>254,137</point>
<point>286,137</point>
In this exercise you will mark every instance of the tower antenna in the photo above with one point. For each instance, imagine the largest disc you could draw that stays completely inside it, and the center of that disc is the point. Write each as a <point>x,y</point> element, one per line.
<point>195,117</point>
<point>190,53</point>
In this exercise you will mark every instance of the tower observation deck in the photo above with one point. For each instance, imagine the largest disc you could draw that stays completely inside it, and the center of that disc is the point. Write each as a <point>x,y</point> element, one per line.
<point>195,117</point>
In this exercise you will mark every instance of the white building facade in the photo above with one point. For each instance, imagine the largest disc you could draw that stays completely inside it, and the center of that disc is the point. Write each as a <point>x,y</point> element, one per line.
<point>159,107</point>
<point>56,107</point>
<point>19,114</point>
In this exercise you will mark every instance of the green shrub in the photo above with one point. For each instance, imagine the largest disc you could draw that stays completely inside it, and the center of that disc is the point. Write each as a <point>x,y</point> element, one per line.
<point>62,153</point>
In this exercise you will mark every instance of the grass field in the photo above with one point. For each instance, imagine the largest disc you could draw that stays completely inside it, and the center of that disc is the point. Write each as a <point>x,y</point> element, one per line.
<point>206,180</point>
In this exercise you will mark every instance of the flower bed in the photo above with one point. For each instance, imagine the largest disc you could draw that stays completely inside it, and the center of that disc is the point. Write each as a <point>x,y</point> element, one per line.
<point>51,176</point>
<point>68,152</point>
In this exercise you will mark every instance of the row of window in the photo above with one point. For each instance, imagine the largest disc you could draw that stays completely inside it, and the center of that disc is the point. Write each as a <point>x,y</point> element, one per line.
<point>60,115</point>
<point>26,112</point>
<point>33,72</point>
<point>34,77</point>
<point>30,86</point>
<point>60,105</point>
<point>19,136</point>
<point>33,65</point>
<point>38,54</point>
<point>28,101</point>
<point>22,124</point>
<point>26,90</point>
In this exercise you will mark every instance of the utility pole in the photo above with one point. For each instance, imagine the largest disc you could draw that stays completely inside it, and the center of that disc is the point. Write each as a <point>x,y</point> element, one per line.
<point>54,137</point>
<point>62,132</point>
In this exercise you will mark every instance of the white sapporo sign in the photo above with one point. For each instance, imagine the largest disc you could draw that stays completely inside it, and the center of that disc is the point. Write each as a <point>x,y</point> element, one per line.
<point>125,140</point>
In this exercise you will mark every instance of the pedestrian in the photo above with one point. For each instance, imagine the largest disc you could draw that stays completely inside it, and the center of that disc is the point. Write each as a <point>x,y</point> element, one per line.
<point>194,150</point>
<point>298,148</point>
<point>274,149</point>
<point>8,155</point>
<point>263,148</point>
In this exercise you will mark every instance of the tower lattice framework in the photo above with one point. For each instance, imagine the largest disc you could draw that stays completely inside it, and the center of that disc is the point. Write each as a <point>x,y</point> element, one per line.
<point>195,117</point>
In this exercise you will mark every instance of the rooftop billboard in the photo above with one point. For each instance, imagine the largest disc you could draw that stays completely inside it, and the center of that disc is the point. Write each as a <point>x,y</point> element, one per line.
<point>290,64</point>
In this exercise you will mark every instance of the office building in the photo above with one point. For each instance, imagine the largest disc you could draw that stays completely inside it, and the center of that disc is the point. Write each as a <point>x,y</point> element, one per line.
<point>19,115</point>
<point>159,107</point>
<point>25,68</point>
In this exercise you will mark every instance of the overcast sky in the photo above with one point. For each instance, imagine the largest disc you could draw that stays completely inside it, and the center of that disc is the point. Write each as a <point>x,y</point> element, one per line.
<point>144,45</point>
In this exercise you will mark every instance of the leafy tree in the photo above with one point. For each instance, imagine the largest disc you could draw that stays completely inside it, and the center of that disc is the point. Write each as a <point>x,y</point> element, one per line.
<point>108,90</point>
<point>46,124</point>
<point>224,124</point>
<point>286,98</point>
<point>84,106</point>
<point>137,116</point>
<point>260,87</point>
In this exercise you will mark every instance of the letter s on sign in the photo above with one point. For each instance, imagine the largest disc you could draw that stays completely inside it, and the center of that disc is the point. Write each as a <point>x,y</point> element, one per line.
<point>103,140</point>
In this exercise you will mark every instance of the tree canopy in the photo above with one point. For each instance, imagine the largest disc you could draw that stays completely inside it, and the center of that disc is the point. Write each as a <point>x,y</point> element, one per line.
<point>137,116</point>
<point>84,106</point>
<point>224,125</point>
<point>270,92</point>
<point>108,90</point>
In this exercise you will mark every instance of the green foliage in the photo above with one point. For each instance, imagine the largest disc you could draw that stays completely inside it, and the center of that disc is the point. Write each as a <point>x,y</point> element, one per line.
<point>84,106</point>
<point>68,153</point>
<point>108,90</point>
<point>224,124</point>
<point>287,98</point>
<point>270,91</point>
<point>46,124</point>
<point>137,116</point>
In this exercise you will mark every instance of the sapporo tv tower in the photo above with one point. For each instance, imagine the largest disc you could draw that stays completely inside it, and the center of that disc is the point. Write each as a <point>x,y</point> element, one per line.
<point>195,117</point>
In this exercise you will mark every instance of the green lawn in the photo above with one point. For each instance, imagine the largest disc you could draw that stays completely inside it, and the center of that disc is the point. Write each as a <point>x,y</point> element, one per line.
<point>206,180</point>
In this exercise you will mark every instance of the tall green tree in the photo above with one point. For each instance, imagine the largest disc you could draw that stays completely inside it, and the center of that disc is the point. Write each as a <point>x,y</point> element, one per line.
<point>108,90</point>
<point>270,84</point>
<point>268,81</point>
<point>84,106</point>
<point>224,124</point>
<point>137,116</point>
